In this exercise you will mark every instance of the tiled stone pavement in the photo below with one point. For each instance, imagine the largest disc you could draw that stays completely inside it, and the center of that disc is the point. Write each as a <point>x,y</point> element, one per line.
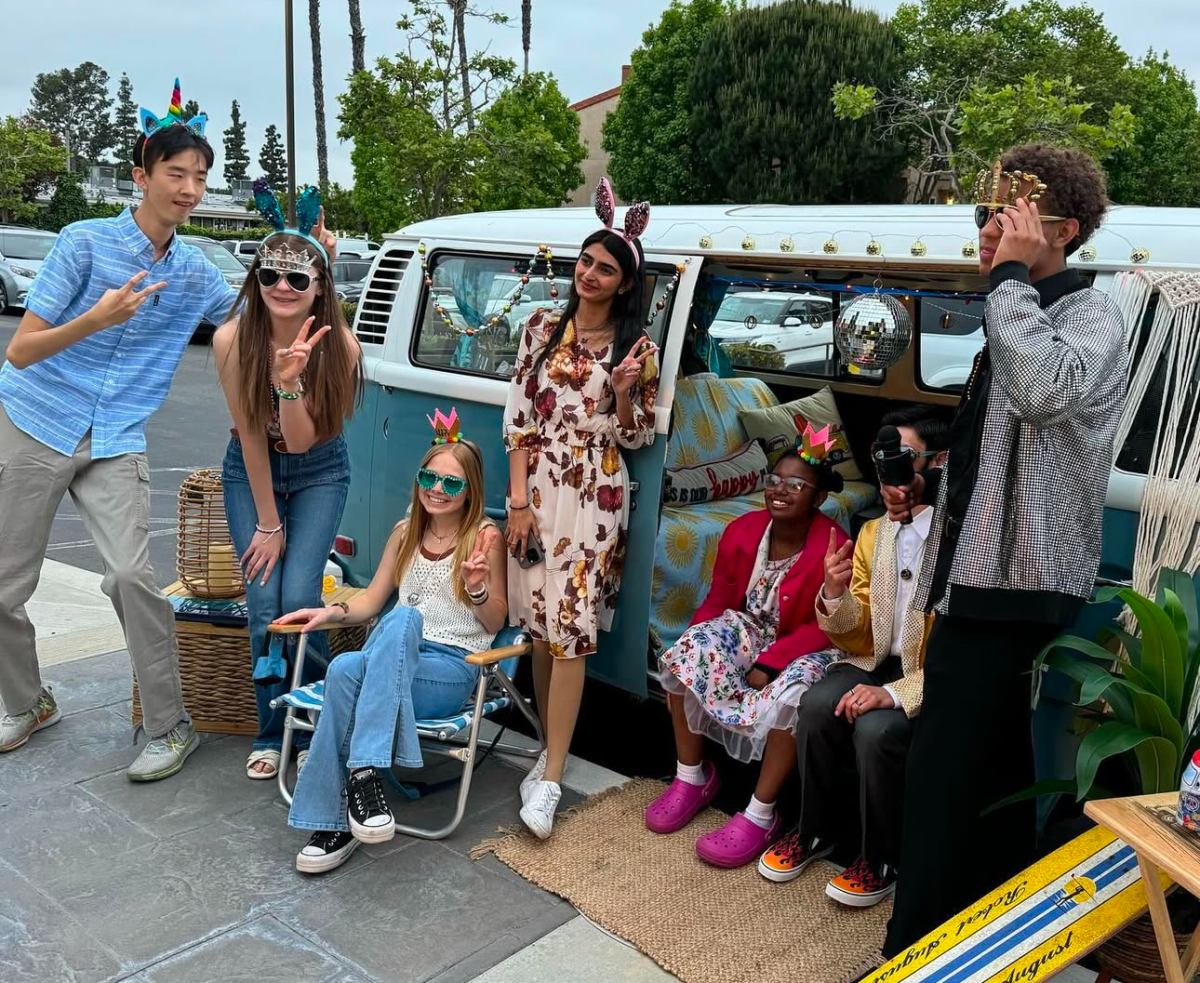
<point>192,879</point>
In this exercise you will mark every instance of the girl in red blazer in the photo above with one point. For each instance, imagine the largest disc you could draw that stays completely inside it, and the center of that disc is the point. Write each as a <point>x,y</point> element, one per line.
<point>752,651</point>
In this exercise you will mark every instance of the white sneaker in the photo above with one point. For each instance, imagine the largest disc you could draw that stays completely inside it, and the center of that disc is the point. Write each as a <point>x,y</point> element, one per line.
<point>16,730</point>
<point>538,812</point>
<point>534,776</point>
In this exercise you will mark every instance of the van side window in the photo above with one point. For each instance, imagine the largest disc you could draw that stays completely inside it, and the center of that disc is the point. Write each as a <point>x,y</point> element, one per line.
<point>472,291</point>
<point>1134,455</point>
<point>775,330</point>
<point>951,330</point>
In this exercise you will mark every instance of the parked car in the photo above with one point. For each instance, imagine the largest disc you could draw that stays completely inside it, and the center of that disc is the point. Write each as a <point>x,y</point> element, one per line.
<point>22,252</point>
<point>243,250</point>
<point>350,275</point>
<point>233,272</point>
<point>799,326</point>
<point>360,248</point>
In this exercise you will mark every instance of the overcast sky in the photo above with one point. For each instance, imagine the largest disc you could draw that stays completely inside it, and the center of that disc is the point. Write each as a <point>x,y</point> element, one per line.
<point>234,49</point>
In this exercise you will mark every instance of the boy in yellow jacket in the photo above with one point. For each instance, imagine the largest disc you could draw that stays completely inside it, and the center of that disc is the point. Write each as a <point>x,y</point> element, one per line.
<point>854,727</point>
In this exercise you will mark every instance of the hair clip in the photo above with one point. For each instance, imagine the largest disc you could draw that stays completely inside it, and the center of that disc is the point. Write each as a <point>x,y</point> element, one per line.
<point>446,429</point>
<point>151,124</point>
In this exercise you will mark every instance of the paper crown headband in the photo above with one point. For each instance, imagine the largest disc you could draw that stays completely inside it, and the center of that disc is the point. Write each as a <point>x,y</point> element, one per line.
<point>446,429</point>
<point>151,124</point>
<point>815,445</point>
<point>637,217</point>
<point>988,182</point>
<point>308,211</point>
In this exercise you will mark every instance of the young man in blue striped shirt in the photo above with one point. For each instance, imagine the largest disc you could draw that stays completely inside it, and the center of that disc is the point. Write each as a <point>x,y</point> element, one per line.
<point>107,321</point>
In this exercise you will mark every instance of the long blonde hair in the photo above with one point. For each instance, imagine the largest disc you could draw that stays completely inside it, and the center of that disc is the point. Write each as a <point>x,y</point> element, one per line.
<point>417,522</point>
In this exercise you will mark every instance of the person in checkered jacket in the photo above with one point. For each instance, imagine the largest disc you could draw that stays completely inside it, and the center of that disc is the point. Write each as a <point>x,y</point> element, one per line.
<point>1014,545</point>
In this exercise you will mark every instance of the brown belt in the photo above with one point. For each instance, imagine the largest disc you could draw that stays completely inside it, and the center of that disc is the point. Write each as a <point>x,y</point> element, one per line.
<point>279,446</point>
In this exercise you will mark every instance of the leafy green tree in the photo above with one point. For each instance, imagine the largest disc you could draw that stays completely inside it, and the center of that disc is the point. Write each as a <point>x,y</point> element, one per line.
<point>341,212</point>
<point>68,204</point>
<point>760,94</point>
<point>191,108</point>
<point>29,160</point>
<point>1160,167</point>
<point>237,157</point>
<point>127,127</point>
<point>530,153</point>
<point>74,105</point>
<point>272,159</point>
<point>650,135</point>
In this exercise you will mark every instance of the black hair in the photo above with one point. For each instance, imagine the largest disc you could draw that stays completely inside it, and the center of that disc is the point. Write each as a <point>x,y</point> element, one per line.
<point>931,426</point>
<point>626,307</point>
<point>1075,186</point>
<point>828,480</point>
<point>168,143</point>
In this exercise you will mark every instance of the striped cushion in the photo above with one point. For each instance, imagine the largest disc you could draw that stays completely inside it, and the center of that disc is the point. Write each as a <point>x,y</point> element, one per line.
<point>312,698</point>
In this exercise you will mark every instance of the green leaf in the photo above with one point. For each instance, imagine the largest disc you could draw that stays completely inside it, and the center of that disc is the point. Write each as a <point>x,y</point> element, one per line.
<point>1162,658</point>
<point>1159,766</point>
<point>1106,741</point>
<point>1184,588</point>
<point>1050,786</point>
<point>1131,643</point>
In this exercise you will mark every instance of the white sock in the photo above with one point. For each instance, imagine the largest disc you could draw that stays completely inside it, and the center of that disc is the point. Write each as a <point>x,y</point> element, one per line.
<point>692,774</point>
<point>760,813</point>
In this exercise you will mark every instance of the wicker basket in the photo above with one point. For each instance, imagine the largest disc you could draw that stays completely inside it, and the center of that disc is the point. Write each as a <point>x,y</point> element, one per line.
<point>1132,956</point>
<point>214,667</point>
<point>205,560</point>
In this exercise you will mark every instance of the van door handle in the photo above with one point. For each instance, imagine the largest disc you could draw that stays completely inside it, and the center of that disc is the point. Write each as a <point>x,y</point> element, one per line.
<point>386,420</point>
<point>633,490</point>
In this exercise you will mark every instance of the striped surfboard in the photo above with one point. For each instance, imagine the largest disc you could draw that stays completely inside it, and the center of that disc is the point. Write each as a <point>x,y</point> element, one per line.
<point>1040,922</point>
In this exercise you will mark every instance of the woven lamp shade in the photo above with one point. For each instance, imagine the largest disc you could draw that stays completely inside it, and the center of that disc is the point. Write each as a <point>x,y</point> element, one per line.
<point>205,558</point>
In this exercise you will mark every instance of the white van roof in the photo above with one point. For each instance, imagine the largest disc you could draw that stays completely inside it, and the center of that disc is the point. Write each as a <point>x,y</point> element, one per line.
<point>1169,235</point>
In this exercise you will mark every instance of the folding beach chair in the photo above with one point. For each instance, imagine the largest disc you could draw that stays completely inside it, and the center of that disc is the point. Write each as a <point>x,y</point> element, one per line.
<point>454,737</point>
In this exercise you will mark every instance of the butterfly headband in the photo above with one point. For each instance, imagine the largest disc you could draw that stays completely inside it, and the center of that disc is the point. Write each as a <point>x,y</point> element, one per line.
<point>637,217</point>
<point>446,429</point>
<point>308,211</point>
<point>151,124</point>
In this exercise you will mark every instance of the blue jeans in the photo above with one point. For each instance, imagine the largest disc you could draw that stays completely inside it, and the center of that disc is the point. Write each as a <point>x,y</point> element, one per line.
<point>373,700</point>
<point>310,493</point>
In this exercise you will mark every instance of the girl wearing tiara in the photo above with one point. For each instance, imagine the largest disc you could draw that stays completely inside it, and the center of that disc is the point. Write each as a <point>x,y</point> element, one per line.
<point>286,471</point>
<point>753,650</point>
<point>584,388</point>
<point>445,567</point>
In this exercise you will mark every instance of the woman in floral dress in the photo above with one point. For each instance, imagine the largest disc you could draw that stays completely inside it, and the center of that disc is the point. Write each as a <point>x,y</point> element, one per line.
<point>584,387</point>
<point>753,650</point>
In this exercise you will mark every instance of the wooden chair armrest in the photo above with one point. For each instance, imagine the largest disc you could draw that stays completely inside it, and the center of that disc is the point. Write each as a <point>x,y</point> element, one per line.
<point>492,656</point>
<point>295,629</point>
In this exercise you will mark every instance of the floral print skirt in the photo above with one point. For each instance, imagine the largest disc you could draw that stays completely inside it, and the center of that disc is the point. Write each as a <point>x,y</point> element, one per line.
<point>708,668</point>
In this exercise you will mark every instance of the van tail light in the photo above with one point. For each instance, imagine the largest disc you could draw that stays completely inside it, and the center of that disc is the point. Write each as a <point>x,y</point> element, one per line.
<point>345,546</point>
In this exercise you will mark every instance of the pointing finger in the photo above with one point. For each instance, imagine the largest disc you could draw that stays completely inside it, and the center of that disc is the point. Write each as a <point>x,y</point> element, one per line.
<point>832,548</point>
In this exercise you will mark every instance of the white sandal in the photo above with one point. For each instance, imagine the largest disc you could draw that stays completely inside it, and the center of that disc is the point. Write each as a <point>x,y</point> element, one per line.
<point>267,756</point>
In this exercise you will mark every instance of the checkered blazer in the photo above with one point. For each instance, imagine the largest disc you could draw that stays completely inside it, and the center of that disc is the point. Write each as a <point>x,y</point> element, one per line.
<point>1058,385</point>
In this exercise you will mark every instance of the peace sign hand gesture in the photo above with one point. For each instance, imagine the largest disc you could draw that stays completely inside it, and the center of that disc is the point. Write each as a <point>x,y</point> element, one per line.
<point>118,306</point>
<point>627,373</point>
<point>478,566</point>
<point>291,362</point>
<point>839,566</point>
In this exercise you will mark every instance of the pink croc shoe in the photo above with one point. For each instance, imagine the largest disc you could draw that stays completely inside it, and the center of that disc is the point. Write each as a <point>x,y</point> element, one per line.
<point>738,842</point>
<point>678,805</point>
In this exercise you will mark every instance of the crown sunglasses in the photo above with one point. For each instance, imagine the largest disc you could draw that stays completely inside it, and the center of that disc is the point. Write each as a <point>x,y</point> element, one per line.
<point>452,484</point>
<point>299,282</point>
<point>984,214</point>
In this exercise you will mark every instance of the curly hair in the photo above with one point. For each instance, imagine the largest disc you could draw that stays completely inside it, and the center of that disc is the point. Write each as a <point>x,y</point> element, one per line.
<point>1074,184</point>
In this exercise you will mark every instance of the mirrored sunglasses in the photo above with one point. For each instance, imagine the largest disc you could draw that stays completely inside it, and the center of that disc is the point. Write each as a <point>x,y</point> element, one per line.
<point>299,282</point>
<point>793,485</point>
<point>452,484</point>
<point>984,213</point>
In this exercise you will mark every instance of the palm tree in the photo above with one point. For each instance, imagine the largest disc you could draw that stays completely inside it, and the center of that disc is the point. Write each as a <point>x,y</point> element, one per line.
<point>314,30</point>
<point>358,38</point>
<point>526,17</point>
<point>460,31</point>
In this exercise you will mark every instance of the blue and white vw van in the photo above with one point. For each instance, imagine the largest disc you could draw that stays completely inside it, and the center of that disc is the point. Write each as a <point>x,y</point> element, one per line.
<point>817,259</point>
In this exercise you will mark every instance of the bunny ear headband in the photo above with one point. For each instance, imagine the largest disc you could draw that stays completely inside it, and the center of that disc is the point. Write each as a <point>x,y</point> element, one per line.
<point>637,217</point>
<point>308,211</point>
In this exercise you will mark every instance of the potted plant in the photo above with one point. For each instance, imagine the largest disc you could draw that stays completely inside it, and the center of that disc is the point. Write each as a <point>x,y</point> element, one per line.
<point>1137,700</point>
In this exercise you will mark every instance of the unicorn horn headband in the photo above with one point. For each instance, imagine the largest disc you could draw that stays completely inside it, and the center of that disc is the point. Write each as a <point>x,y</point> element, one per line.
<point>151,124</point>
<point>308,210</point>
<point>637,217</point>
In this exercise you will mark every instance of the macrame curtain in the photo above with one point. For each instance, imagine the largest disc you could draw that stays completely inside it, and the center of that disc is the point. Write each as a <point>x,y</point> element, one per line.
<point>1167,372</point>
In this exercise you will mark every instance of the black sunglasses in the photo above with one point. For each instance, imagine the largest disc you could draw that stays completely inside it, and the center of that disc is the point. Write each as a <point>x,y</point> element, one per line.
<point>984,213</point>
<point>300,282</point>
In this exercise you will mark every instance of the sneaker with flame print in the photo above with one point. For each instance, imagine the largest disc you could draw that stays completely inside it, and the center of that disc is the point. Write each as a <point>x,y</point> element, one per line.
<point>862,885</point>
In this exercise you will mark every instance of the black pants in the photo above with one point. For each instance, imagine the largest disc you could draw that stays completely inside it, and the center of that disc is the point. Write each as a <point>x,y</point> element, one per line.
<point>971,747</point>
<point>852,775</point>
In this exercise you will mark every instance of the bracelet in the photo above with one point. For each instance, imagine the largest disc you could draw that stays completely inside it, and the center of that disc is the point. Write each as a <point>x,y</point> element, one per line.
<point>344,606</point>
<point>477,596</point>
<point>517,508</point>
<point>282,394</point>
<point>268,532</point>
<point>478,600</point>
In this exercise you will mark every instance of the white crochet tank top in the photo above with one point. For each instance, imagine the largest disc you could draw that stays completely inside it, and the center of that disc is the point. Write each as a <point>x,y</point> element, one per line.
<point>426,587</point>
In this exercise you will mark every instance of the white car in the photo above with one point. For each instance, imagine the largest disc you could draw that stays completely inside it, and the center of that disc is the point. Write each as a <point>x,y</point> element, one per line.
<point>951,336</point>
<point>798,325</point>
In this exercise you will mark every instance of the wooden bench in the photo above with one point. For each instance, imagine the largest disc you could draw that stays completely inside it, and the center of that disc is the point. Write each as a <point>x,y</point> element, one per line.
<point>214,659</point>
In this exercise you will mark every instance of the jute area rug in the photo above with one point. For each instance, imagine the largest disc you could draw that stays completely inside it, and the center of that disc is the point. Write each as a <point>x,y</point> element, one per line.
<point>700,923</point>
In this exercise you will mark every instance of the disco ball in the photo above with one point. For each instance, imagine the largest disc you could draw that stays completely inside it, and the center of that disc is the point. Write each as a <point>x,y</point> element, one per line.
<point>873,332</point>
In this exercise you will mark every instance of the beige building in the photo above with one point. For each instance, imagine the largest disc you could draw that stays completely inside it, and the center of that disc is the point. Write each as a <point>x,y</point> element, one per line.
<point>592,113</point>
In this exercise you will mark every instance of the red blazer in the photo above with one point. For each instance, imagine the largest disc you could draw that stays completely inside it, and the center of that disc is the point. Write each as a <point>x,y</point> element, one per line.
<point>798,632</point>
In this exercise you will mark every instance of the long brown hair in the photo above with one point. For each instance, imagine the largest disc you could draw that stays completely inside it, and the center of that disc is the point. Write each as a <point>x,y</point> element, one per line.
<point>334,377</point>
<point>471,460</point>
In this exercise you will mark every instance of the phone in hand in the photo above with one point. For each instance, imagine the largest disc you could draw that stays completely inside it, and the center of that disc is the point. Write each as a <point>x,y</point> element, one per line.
<point>534,552</point>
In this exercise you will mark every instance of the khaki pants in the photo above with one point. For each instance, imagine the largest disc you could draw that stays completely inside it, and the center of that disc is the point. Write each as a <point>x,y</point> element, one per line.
<point>112,497</point>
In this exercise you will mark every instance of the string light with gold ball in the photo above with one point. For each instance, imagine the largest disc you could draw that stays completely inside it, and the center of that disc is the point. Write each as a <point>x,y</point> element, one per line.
<point>543,254</point>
